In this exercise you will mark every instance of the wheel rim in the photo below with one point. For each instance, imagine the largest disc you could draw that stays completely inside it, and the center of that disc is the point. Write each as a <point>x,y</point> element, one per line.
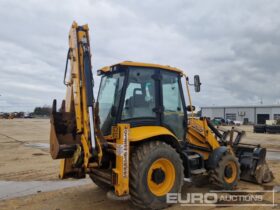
<point>161,177</point>
<point>230,172</point>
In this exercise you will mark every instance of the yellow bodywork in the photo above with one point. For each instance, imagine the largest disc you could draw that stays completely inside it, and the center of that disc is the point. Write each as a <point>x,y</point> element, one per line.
<point>79,97</point>
<point>199,134</point>
<point>139,64</point>
<point>75,103</point>
<point>76,94</point>
<point>122,160</point>
<point>145,132</point>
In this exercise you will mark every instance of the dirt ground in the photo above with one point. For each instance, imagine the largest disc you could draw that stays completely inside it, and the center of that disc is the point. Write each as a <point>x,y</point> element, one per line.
<point>24,157</point>
<point>19,159</point>
<point>270,141</point>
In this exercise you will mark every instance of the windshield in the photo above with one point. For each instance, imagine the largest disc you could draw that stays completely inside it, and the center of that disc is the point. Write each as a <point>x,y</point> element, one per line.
<point>108,98</point>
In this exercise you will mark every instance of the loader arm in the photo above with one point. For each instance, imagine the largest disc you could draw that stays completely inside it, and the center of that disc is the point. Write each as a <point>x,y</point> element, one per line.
<point>207,140</point>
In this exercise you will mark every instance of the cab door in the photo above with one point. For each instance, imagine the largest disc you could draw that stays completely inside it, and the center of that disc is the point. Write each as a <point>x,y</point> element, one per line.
<point>173,115</point>
<point>140,98</point>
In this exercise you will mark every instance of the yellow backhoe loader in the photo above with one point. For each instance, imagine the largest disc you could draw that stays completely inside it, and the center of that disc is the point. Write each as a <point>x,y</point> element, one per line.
<point>136,140</point>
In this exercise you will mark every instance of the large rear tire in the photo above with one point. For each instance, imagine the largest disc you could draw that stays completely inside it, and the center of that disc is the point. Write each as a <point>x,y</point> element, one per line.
<point>155,170</point>
<point>227,172</point>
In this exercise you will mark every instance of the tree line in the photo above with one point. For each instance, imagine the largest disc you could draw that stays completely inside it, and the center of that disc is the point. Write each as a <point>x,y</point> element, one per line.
<point>44,111</point>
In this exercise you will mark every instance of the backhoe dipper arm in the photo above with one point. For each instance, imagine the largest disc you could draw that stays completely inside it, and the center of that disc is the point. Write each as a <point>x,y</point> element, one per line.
<point>72,128</point>
<point>82,81</point>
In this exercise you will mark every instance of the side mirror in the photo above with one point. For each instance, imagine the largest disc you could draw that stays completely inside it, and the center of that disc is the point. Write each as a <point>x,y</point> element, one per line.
<point>197,83</point>
<point>190,108</point>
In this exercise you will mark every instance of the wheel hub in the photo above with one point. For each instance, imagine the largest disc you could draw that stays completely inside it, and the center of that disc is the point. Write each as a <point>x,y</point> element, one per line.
<point>158,176</point>
<point>161,176</point>
<point>228,171</point>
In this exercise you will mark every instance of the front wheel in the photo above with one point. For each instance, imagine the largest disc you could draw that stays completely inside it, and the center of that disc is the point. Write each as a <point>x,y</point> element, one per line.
<point>156,169</point>
<point>227,172</point>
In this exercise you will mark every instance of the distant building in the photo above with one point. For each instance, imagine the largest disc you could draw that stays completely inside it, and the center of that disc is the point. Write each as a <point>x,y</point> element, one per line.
<point>253,114</point>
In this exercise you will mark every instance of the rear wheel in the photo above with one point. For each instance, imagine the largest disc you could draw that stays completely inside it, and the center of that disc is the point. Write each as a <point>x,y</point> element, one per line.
<point>156,169</point>
<point>227,172</point>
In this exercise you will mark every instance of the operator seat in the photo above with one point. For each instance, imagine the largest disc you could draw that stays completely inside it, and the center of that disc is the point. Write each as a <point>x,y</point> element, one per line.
<point>137,107</point>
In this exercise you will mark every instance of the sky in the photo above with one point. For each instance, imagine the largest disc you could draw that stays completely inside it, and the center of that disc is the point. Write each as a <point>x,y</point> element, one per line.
<point>233,45</point>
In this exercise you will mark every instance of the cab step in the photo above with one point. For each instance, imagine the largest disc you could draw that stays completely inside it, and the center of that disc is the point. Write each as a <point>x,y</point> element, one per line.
<point>193,163</point>
<point>187,180</point>
<point>194,156</point>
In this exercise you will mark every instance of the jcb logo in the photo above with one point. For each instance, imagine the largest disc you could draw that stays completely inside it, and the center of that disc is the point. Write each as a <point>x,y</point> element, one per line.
<point>197,128</point>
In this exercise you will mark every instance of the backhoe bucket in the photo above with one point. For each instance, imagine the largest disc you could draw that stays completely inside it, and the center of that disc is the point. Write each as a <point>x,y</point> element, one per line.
<point>253,164</point>
<point>63,141</point>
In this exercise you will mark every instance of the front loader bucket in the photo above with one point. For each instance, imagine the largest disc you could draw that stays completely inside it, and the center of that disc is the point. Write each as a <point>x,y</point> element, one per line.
<point>253,164</point>
<point>252,158</point>
<point>63,141</point>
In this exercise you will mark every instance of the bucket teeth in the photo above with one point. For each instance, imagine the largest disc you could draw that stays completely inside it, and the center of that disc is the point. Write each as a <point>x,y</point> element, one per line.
<point>263,174</point>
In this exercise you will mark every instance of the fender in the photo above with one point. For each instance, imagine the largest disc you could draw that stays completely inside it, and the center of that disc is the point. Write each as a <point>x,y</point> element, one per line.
<point>143,133</point>
<point>215,156</point>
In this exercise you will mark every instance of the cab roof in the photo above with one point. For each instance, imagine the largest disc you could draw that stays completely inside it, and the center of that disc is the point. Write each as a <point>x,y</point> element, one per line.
<point>139,64</point>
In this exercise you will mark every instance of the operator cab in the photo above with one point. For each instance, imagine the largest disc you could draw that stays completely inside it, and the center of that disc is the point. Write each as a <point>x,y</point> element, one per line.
<point>142,94</point>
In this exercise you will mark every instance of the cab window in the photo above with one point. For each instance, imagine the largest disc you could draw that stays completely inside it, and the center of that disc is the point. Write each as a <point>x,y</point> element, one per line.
<point>173,114</point>
<point>140,94</point>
